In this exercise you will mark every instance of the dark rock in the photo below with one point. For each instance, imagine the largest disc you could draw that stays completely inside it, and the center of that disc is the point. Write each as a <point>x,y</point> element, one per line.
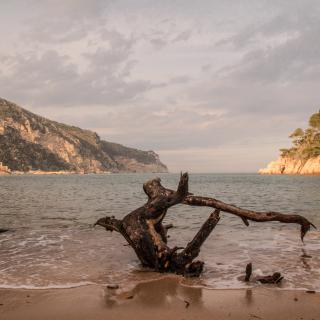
<point>273,279</point>
<point>113,286</point>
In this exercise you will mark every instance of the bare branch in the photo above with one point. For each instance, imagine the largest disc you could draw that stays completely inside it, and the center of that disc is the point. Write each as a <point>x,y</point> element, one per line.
<point>246,215</point>
<point>110,223</point>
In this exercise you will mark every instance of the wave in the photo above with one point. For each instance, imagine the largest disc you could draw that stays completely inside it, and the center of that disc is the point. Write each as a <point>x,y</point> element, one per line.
<point>50,286</point>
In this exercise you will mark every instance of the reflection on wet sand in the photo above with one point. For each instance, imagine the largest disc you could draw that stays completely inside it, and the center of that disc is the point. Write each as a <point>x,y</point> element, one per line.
<point>248,297</point>
<point>172,299</point>
<point>305,258</point>
<point>158,293</point>
<point>165,298</point>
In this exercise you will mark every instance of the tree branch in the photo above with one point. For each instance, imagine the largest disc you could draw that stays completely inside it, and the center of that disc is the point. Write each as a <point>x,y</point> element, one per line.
<point>110,223</point>
<point>154,187</point>
<point>182,262</point>
<point>246,215</point>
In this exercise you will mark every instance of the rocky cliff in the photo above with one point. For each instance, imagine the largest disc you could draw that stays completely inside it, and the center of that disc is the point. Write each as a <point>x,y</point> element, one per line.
<point>285,165</point>
<point>4,169</point>
<point>304,156</point>
<point>29,143</point>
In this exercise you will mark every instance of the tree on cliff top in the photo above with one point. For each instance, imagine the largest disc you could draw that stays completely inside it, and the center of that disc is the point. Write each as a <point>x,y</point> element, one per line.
<point>306,142</point>
<point>314,120</point>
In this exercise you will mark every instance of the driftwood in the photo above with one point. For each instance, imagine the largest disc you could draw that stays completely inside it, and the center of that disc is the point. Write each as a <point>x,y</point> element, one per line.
<point>275,278</point>
<point>248,272</point>
<point>144,230</point>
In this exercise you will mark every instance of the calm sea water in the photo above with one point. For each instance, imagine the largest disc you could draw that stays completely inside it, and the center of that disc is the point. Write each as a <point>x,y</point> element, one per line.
<point>52,242</point>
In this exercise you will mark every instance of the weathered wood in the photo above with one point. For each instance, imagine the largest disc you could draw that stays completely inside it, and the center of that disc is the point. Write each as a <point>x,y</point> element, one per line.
<point>248,272</point>
<point>272,279</point>
<point>154,187</point>
<point>275,278</point>
<point>183,262</point>
<point>145,233</point>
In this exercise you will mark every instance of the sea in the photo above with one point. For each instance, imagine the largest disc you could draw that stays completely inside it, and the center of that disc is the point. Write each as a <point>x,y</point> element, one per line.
<point>52,243</point>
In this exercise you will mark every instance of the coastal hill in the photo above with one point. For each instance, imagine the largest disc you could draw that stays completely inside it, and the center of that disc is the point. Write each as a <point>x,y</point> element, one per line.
<point>304,156</point>
<point>30,143</point>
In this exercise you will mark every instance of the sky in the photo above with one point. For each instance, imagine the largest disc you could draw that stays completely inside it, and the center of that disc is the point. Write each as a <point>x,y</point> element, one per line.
<point>211,86</point>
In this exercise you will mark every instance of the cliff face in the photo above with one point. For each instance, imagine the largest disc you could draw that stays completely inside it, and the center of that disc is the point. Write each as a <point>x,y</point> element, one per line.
<point>4,169</point>
<point>285,165</point>
<point>29,142</point>
<point>303,157</point>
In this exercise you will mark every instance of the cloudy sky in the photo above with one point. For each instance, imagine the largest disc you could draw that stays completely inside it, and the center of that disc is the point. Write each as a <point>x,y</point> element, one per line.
<point>212,86</point>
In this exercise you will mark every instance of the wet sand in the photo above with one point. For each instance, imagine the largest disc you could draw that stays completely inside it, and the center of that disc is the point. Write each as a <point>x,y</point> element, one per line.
<point>161,299</point>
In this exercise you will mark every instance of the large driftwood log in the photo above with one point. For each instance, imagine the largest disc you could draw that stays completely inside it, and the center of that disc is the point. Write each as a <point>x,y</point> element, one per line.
<point>145,233</point>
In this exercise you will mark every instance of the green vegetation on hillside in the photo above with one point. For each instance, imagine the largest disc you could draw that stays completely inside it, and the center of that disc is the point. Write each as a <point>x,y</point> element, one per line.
<point>31,142</point>
<point>118,150</point>
<point>21,155</point>
<point>306,143</point>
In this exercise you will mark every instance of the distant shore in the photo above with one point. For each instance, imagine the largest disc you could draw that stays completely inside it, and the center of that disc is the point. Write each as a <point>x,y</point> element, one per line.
<point>62,172</point>
<point>161,299</point>
<point>40,172</point>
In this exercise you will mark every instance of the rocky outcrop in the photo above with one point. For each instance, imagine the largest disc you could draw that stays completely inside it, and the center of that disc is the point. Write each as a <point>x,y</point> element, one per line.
<point>287,165</point>
<point>32,143</point>
<point>303,157</point>
<point>4,169</point>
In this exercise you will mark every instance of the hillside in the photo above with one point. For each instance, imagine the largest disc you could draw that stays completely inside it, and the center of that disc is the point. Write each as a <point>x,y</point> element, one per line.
<point>304,156</point>
<point>29,143</point>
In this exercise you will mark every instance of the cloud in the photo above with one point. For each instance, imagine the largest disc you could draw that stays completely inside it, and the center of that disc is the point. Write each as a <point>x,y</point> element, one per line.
<point>183,36</point>
<point>282,49</point>
<point>50,78</point>
<point>64,21</point>
<point>158,43</point>
<point>210,86</point>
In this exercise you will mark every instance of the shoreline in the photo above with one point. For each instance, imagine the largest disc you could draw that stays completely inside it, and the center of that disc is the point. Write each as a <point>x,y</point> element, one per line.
<point>35,173</point>
<point>289,174</point>
<point>160,299</point>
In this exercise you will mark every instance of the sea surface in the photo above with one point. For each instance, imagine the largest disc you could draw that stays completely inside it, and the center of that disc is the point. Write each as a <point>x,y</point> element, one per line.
<point>52,242</point>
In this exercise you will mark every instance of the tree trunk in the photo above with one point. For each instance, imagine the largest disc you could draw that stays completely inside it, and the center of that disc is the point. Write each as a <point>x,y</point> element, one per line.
<point>145,233</point>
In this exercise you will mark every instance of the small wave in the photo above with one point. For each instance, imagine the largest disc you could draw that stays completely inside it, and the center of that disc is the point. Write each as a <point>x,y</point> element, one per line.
<point>50,286</point>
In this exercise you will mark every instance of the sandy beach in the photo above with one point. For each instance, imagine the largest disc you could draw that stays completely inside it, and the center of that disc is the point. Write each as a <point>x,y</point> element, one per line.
<point>161,299</point>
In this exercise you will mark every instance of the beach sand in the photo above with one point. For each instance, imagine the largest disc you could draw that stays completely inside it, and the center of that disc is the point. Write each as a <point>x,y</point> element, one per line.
<point>161,299</point>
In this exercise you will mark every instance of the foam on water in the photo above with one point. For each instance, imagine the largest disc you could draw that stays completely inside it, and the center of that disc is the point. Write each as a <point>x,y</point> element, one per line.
<point>50,286</point>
